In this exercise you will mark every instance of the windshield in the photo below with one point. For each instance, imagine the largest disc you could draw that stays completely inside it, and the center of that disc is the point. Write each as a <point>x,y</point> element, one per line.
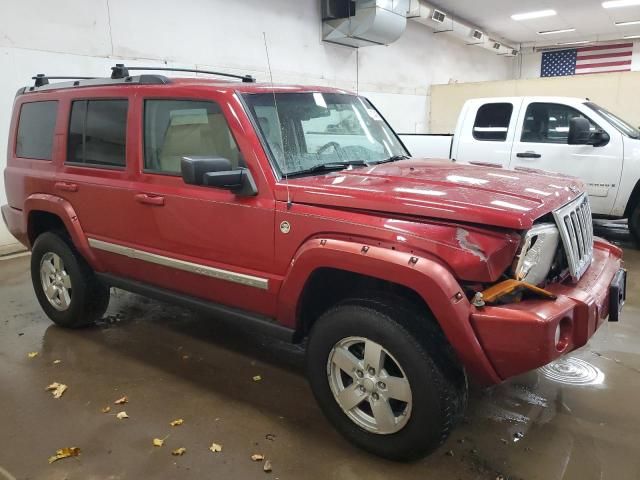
<point>616,121</point>
<point>315,130</point>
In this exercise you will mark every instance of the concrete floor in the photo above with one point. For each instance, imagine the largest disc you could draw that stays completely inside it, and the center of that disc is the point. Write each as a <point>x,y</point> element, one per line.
<point>578,419</point>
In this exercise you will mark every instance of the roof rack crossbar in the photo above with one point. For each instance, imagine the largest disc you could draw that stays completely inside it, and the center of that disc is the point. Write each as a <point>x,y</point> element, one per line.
<point>42,79</point>
<point>121,71</point>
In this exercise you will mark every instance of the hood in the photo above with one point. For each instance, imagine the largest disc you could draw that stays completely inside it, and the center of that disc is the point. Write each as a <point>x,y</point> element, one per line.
<point>440,189</point>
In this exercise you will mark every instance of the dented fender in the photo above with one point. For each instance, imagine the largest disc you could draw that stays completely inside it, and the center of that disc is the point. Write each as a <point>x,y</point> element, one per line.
<point>426,275</point>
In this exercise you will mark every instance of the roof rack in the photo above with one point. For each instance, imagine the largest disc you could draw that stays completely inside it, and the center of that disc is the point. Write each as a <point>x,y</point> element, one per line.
<point>41,79</point>
<point>122,71</point>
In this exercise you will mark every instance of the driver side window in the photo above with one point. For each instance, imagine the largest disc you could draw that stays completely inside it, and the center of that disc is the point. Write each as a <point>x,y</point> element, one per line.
<point>183,128</point>
<point>549,123</point>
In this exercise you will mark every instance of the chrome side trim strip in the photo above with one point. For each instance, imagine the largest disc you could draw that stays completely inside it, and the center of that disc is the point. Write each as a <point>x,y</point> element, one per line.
<point>234,277</point>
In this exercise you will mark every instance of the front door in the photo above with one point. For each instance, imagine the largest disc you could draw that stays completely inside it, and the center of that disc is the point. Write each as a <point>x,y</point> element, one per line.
<point>201,241</point>
<point>542,143</point>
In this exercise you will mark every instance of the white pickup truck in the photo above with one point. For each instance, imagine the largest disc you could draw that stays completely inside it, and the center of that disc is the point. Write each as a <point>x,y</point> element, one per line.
<point>567,135</point>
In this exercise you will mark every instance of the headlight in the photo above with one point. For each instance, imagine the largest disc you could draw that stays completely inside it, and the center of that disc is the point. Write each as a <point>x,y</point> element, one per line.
<point>537,252</point>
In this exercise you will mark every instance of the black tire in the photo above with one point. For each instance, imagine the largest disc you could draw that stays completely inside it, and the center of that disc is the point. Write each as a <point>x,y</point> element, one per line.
<point>634,223</point>
<point>89,298</point>
<point>438,384</point>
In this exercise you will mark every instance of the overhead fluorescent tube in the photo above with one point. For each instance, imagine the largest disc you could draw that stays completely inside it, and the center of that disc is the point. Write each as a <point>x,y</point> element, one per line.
<point>551,32</point>
<point>620,3</point>
<point>629,37</point>
<point>579,42</point>
<point>530,15</point>
<point>624,24</point>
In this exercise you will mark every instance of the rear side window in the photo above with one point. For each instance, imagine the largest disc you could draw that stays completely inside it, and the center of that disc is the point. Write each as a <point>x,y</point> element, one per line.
<point>36,130</point>
<point>492,122</point>
<point>97,133</point>
<point>182,128</point>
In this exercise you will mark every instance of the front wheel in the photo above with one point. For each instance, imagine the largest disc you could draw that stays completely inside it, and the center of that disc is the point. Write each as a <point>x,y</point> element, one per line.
<point>634,223</point>
<point>378,384</point>
<point>66,287</point>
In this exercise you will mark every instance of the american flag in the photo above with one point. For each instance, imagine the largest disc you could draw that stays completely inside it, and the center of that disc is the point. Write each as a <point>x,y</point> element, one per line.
<point>615,57</point>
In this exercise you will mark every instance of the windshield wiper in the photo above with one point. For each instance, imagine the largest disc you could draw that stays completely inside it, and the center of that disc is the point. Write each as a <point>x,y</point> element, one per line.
<point>328,167</point>
<point>394,158</point>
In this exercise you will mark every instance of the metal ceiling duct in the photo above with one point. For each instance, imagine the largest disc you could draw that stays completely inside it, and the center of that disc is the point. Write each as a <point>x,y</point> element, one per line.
<point>442,23</point>
<point>361,23</point>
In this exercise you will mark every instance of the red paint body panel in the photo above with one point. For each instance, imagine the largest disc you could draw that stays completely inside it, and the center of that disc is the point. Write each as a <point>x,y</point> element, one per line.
<point>461,223</point>
<point>440,189</point>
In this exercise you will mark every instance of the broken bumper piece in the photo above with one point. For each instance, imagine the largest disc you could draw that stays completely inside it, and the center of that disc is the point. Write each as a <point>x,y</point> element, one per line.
<point>523,336</point>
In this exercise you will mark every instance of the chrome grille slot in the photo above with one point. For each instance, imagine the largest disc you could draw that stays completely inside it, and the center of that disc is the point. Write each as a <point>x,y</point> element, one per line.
<point>576,231</point>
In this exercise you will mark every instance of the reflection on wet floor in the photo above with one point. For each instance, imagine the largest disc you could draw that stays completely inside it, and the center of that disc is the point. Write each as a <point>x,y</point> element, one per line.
<point>575,419</point>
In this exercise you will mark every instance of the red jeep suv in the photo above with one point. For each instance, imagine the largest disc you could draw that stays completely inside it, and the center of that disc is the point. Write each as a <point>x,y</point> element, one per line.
<point>299,211</point>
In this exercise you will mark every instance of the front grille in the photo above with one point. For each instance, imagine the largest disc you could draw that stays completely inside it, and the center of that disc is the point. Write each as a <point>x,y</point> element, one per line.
<point>576,230</point>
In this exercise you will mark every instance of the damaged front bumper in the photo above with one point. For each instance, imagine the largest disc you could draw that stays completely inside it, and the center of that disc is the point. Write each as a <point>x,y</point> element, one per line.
<point>523,336</point>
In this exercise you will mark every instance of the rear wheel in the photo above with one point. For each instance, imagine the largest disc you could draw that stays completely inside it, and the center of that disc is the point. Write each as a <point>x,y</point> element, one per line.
<point>379,384</point>
<point>66,287</point>
<point>634,223</point>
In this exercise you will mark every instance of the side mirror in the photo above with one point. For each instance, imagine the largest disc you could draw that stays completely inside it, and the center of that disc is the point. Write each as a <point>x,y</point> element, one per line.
<point>579,131</point>
<point>217,172</point>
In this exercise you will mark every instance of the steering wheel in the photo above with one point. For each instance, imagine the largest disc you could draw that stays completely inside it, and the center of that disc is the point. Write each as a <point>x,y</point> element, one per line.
<point>336,146</point>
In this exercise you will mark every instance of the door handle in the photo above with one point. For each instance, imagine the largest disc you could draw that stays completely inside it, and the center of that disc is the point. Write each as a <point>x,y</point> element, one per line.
<point>66,187</point>
<point>150,199</point>
<point>528,155</point>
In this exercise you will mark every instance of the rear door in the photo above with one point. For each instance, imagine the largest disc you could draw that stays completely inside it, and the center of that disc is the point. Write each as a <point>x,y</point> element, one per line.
<point>542,143</point>
<point>95,176</point>
<point>486,131</point>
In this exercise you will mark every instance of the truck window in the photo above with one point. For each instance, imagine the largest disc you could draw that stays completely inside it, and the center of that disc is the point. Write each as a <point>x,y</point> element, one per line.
<point>181,128</point>
<point>97,133</point>
<point>492,122</point>
<point>549,123</point>
<point>35,130</point>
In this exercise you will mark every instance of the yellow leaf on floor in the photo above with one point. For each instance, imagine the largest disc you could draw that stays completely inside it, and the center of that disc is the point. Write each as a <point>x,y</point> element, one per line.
<point>257,378</point>
<point>179,451</point>
<point>257,457</point>
<point>106,409</point>
<point>56,362</point>
<point>122,415</point>
<point>267,466</point>
<point>64,453</point>
<point>122,401</point>
<point>32,354</point>
<point>158,442</point>
<point>176,422</point>
<point>57,389</point>
<point>215,447</point>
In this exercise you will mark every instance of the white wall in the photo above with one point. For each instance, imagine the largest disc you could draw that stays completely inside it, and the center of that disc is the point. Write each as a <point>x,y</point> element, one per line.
<point>86,37</point>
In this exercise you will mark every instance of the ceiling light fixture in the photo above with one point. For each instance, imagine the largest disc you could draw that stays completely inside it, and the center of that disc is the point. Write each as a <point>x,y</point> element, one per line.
<point>629,37</point>
<point>551,32</point>
<point>530,15</point>
<point>624,24</point>
<point>579,42</point>
<point>620,3</point>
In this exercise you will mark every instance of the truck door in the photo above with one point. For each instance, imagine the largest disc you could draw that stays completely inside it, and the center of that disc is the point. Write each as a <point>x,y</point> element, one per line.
<point>485,132</point>
<point>542,143</point>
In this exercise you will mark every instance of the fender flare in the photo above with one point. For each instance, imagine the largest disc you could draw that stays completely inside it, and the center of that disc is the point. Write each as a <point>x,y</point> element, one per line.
<point>60,207</point>
<point>427,276</point>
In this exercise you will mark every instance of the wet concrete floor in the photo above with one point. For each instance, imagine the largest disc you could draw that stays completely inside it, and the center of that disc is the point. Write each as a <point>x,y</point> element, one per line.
<point>576,419</point>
